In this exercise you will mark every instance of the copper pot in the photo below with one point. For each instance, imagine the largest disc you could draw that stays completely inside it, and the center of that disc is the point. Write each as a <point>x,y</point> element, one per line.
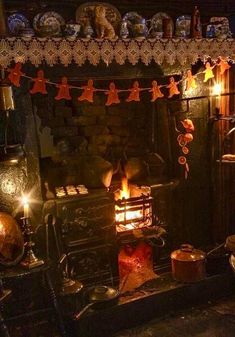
<point>188,264</point>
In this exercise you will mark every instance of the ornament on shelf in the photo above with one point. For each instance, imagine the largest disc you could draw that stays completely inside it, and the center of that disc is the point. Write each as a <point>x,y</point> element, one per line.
<point>134,93</point>
<point>103,27</point>
<point>155,90</point>
<point>196,30</point>
<point>15,74</point>
<point>223,66</point>
<point>63,92</point>
<point>173,87</point>
<point>88,92</point>
<point>190,81</point>
<point>112,95</point>
<point>208,71</point>
<point>39,85</point>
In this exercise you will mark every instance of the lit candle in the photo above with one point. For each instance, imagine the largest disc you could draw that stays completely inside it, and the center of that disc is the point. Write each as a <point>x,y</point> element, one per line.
<point>26,206</point>
<point>217,91</point>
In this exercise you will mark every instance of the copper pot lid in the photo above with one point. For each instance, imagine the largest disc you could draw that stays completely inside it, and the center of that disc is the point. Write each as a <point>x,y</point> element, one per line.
<point>188,253</point>
<point>102,293</point>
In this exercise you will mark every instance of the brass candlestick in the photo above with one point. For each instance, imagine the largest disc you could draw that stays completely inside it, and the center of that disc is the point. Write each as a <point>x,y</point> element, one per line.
<point>30,260</point>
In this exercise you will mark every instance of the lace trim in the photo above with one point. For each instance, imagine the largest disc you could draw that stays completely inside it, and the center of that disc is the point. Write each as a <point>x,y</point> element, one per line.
<point>67,50</point>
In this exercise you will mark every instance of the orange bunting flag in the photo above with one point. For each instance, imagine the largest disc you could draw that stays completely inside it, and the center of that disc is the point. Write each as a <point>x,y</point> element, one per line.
<point>223,66</point>
<point>112,95</point>
<point>190,81</point>
<point>156,92</point>
<point>88,92</point>
<point>208,72</point>
<point>39,85</point>
<point>134,93</point>
<point>173,87</point>
<point>15,74</point>
<point>63,92</point>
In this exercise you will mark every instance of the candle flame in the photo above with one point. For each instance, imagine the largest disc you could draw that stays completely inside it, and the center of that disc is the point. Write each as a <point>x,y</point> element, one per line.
<point>217,89</point>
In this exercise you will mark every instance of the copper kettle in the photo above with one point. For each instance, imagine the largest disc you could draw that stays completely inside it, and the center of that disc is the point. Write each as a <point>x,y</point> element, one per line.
<point>188,264</point>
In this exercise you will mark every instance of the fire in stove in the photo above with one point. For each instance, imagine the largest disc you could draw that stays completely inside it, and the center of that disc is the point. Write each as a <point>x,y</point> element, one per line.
<point>132,212</point>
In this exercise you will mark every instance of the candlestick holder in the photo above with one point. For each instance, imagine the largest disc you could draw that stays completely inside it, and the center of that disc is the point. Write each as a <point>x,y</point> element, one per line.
<point>30,260</point>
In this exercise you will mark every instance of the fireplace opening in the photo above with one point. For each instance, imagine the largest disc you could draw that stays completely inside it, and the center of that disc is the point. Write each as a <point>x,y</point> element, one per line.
<point>135,212</point>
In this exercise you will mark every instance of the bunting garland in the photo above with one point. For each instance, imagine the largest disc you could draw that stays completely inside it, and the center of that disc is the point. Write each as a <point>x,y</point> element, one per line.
<point>40,86</point>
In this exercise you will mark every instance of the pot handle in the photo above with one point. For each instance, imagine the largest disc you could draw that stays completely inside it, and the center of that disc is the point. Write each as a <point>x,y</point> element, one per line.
<point>83,311</point>
<point>186,247</point>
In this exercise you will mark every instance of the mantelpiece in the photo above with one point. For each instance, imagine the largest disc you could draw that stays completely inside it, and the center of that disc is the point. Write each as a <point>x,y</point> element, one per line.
<point>68,50</point>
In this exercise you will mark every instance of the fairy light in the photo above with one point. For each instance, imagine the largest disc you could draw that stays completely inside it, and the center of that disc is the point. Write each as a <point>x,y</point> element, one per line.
<point>25,202</point>
<point>217,89</point>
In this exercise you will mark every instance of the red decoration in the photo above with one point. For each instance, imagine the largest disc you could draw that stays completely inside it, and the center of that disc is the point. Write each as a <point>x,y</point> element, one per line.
<point>39,85</point>
<point>223,66</point>
<point>190,81</point>
<point>156,92</point>
<point>15,74</point>
<point>208,72</point>
<point>134,93</point>
<point>188,124</point>
<point>173,87</point>
<point>112,95</point>
<point>88,92</point>
<point>63,92</point>
<point>135,266</point>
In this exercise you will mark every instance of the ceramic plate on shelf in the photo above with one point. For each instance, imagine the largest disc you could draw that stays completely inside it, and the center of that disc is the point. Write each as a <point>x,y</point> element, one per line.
<point>52,19</point>
<point>16,23</point>
<point>133,17</point>
<point>156,26</point>
<point>182,26</point>
<point>221,26</point>
<point>88,10</point>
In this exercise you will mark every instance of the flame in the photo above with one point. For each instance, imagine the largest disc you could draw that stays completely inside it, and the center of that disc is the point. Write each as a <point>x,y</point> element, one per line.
<point>125,191</point>
<point>127,214</point>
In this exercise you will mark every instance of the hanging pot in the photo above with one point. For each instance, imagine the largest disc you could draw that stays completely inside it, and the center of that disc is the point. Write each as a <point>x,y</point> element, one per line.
<point>188,264</point>
<point>99,297</point>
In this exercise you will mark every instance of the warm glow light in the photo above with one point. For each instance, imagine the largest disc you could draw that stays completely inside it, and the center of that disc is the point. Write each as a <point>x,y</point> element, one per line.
<point>25,202</point>
<point>126,213</point>
<point>217,89</point>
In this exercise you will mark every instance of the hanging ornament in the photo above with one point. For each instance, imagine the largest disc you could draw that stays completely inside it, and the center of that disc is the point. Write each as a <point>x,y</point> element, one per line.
<point>173,87</point>
<point>208,72</point>
<point>88,92</point>
<point>188,124</point>
<point>63,92</point>
<point>112,95</point>
<point>134,93</point>
<point>39,85</point>
<point>190,81</point>
<point>156,92</point>
<point>223,66</point>
<point>15,74</point>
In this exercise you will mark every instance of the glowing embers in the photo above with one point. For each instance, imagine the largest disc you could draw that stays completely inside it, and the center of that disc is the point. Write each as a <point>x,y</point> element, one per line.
<point>132,212</point>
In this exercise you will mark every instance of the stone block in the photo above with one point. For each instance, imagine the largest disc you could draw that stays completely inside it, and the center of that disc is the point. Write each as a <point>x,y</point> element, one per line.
<point>63,111</point>
<point>90,131</point>
<point>56,122</point>
<point>112,120</point>
<point>115,130</point>
<point>93,110</point>
<point>68,131</point>
<point>82,120</point>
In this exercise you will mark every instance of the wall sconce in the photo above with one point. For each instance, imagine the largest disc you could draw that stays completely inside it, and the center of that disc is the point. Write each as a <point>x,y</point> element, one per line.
<point>10,154</point>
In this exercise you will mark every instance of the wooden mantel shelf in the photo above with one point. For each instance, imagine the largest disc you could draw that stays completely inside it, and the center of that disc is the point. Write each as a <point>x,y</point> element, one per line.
<point>67,50</point>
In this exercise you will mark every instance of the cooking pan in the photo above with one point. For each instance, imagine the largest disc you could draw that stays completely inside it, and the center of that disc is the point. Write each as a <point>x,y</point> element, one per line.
<point>99,297</point>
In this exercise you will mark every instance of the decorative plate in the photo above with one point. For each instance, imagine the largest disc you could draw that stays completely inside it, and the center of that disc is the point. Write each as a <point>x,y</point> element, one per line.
<point>87,10</point>
<point>133,17</point>
<point>17,22</point>
<point>156,25</point>
<point>221,24</point>
<point>48,23</point>
<point>182,26</point>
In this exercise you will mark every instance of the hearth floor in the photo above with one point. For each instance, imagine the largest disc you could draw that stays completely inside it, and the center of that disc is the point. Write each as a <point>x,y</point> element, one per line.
<point>166,308</point>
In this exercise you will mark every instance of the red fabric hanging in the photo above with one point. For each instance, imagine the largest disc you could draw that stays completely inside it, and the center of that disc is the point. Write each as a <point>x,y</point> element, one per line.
<point>134,93</point>
<point>39,85</point>
<point>63,92</point>
<point>15,74</point>
<point>112,95</point>
<point>155,90</point>
<point>88,92</point>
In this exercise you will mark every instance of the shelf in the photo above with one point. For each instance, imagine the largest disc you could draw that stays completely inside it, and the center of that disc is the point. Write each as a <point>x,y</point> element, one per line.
<point>227,162</point>
<point>67,50</point>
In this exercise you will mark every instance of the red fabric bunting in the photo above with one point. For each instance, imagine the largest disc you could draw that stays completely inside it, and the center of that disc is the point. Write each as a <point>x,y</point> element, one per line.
<point>63,92</point>
<point>39,85</point>
<point>173,87</point>
<point>156,92</point>
<point>15,74</point>
<point>190,81</point>
<point>223,66</point>
<point>112,95</point>
<point>134,93</point>
<point>88,92</point>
